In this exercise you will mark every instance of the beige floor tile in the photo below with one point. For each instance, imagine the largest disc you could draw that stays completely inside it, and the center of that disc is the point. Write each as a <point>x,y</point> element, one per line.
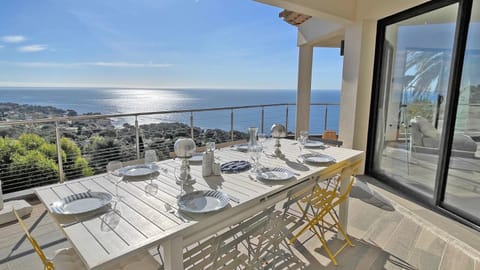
<point>454,258</point>
<point>428,251</point>
<point>383,227</point>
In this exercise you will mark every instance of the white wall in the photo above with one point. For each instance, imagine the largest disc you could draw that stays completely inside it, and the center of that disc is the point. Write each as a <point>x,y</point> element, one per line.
<point>360,38</point>
<point>359,19</point>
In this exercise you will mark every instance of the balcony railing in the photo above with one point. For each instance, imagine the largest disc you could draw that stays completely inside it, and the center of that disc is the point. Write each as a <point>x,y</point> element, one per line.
<point>82,145</point>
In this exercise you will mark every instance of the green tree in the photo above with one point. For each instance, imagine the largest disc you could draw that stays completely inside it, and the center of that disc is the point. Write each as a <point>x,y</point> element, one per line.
<point>50,151</point>
<point>31,141</point>
<point>75,165</point>
<point>30,161</point>
<point>429,70</point>
<point>102,150</point>
<point>30,170</point>
<point>9,147</point>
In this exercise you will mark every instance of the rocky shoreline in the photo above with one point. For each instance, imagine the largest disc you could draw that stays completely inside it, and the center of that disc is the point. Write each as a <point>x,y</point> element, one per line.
<point>81,131</point>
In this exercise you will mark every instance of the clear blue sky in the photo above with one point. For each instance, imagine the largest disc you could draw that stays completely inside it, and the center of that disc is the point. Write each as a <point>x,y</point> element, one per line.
<point>154,43</point>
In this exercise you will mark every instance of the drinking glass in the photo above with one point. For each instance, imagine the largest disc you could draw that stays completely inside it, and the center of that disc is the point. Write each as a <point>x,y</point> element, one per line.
<point>114,175</point>
<point>150,158</point>
<point>255,154</point>
<point>302,139</point>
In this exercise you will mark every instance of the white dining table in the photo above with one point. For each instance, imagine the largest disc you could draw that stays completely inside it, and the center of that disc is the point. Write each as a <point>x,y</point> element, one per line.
<point>147,214</point>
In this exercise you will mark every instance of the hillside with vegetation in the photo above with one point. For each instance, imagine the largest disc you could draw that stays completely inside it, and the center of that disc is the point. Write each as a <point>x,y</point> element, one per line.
<point>29,156</point>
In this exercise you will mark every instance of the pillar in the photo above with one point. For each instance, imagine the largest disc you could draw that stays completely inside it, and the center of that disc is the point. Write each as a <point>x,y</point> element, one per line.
<point>304,88</point>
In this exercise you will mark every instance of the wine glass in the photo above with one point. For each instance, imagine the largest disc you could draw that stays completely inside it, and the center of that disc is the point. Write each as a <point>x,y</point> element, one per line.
<point>261,139</point>
<point>302,139</point>
<point>255,154</point>
<point>180,181</point>
<point>114,175</point>
<point>150,158</point>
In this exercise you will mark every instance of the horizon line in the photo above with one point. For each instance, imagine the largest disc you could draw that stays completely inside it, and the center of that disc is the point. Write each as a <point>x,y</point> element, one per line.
<point>164,88</point>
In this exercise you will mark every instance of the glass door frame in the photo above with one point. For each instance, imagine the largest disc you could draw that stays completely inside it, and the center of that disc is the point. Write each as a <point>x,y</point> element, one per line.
<point>452,98</point>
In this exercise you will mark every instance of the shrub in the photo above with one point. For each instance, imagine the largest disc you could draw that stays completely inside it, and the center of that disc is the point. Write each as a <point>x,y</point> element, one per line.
<point>30,161</point>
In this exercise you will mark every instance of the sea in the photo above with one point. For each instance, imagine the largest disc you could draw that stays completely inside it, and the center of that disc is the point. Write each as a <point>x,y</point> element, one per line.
<point>128,100</point>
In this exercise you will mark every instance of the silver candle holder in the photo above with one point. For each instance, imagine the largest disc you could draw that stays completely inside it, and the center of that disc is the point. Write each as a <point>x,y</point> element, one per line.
<point>278,131</point>
<point>184,149</point>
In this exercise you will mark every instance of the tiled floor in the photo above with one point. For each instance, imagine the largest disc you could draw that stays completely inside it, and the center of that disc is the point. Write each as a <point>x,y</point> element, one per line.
<point>410,237</point>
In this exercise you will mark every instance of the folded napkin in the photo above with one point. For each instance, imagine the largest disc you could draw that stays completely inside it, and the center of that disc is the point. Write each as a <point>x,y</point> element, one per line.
<point>235,166</point>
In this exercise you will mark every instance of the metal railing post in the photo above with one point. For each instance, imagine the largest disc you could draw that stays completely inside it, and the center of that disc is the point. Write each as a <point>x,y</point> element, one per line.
<point>191,125</point>
<point>231,125</point>
<point>137,137</point>
<point>326,118</point>
<point>286,118</point>
<point>59,153</point>
<point>263,119</point>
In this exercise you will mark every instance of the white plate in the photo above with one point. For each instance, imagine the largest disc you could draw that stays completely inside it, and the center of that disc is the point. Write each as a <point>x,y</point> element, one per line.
<point>317,158</point>
<point>314,144</point>
<point>274,174</point>
<point>241,147</point>
<point>196,158</point>
<point>79,203</point>
<point>203,201</point>
<point>138,170</point>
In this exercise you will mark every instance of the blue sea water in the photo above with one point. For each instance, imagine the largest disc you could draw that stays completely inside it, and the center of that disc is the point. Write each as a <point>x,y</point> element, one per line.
<point>116,100</point>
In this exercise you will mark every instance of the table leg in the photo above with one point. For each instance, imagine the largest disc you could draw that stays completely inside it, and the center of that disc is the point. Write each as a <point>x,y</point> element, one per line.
<point>343,208</point>
<point>173,249</point>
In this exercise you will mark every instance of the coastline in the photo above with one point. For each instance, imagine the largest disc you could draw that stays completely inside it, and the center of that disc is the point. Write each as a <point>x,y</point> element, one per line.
<point>120,101</point>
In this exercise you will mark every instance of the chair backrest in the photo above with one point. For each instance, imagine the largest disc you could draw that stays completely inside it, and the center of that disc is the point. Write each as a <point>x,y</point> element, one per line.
<point>48,265</point>
<point>347,173</point>
<point>356,166</point>
<point>329,135</point>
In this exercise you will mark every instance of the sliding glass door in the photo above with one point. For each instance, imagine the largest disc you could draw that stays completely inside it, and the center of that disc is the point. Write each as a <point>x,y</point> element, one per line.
<point>463,181</point>
<point>425,114</point>
<point>417,58</point>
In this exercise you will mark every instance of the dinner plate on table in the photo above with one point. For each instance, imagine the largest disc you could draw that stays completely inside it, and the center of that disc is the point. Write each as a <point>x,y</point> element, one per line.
<point>274,174</point>
<point>196,158</point>
<point>241,147</point>
<point>80,203</point>
<point>203,201</point>
<point>314,144</point>
<point>138,170</point>
<point>317,158</point>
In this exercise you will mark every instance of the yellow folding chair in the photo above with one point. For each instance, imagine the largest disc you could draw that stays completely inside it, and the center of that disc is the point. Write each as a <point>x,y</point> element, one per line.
<point>67,258</point>
<point>323,182</point>
<point>48,264</point>
<point>323,201</point>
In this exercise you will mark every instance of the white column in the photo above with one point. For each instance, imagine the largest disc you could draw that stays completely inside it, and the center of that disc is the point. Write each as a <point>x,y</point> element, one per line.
<point>348,99</point>
<point>304,88</point>
<point>357,84</point>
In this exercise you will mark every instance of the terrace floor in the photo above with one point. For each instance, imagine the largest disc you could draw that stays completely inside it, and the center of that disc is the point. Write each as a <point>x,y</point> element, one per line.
<point>409,237</point>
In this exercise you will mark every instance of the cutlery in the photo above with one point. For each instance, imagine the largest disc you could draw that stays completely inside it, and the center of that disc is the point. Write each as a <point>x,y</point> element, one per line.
<point>252,177</point>
<point>170,210</point>
<point>233,199</point>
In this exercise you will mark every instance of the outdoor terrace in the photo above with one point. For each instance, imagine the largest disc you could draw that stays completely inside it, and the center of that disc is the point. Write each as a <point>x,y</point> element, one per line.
<point>390,233</point>
<point>409,237</point>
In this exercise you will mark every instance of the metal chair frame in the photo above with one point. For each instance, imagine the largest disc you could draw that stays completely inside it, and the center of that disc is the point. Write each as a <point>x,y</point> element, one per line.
<point>322,203</point>
<point>47,263</point>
